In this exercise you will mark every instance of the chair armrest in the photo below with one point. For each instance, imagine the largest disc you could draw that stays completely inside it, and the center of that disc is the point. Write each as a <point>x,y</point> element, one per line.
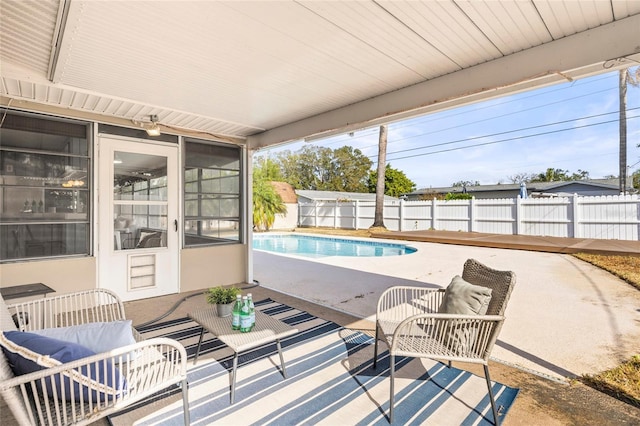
<point>400,302</point>
<point>63,310</point>
<point>467,338</point>
<point>160,362</point>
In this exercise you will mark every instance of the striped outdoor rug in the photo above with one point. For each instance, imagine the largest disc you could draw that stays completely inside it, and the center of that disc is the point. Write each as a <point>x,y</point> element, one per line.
<point>330,380</point>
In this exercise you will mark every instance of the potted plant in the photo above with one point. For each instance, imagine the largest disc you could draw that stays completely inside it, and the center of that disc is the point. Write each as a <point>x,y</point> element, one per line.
<point>223,298</point>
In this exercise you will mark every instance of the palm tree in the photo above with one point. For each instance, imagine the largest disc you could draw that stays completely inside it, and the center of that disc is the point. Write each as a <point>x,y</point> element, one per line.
<point>378,221</point>
<point>632,77</point>
<point>266,204</point>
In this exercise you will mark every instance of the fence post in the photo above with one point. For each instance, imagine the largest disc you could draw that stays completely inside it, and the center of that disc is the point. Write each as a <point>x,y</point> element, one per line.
<point>357,213</point>
<point>518,215</point>
<point>433,213</point>
<point>401,215</point>
<point>472,214</point>
<point>335,214</point>
<point>315,213</point>
<point>576,216</point>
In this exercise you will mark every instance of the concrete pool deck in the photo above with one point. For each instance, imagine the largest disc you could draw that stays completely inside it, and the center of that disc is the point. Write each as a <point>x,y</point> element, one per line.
<point>565,317</point>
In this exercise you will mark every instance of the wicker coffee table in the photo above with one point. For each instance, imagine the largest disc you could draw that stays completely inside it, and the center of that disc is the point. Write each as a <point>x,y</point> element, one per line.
<point>266,330</point>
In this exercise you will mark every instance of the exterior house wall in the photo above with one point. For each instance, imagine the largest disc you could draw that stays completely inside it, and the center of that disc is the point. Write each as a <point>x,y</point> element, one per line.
<point>63,275</point>
<point>212,266</point>
<point>590,188</point>
<point>199,267</point>
<point>584,190</point>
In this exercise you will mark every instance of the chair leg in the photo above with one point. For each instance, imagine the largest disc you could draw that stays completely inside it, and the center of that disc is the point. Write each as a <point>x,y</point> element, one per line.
<point>185,402</point>
<point>375,350</point>
<point>491,397</point>
<point>392,368</point>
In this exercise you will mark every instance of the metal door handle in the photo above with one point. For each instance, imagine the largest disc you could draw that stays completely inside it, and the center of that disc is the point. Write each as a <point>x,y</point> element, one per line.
<point>175,224</point>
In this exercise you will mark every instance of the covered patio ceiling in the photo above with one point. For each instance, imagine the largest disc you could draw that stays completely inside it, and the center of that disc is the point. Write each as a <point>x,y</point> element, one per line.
<point>264,73</point>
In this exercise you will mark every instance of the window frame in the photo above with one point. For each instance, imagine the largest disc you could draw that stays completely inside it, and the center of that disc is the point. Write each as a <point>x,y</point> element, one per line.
<point>47,221</point>
<point>203,195</point>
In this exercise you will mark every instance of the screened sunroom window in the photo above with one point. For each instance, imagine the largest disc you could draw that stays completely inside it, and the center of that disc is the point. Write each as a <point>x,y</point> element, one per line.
<point>212,194</point>
<point>44,188</point>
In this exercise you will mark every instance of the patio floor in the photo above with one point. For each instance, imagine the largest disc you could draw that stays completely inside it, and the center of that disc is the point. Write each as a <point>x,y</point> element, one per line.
<point>590,303</point>
<point>540,402</point>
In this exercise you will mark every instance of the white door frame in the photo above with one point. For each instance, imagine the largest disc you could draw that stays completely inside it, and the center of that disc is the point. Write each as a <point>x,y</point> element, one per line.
<point>138,272</point>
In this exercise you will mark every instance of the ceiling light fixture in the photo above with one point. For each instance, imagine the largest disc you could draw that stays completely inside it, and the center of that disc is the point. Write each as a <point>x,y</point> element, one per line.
<point>154,129</point>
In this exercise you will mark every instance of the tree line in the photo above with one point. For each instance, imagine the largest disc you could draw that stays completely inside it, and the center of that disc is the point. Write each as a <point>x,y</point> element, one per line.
<point>343,169</point>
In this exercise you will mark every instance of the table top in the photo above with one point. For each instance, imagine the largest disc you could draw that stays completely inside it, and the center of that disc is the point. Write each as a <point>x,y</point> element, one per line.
<point>266,330</point>
<point>25,290</point>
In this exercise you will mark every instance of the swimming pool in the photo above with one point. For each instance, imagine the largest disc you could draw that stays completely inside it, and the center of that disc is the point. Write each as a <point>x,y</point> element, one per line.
<point>311,246</point>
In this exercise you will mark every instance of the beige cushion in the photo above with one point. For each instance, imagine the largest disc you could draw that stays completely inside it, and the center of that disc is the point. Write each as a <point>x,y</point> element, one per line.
<point>463,298</point>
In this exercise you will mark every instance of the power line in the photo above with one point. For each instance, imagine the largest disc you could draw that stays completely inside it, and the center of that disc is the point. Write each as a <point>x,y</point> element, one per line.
<point>415,124</point>
<point>504,133</point>
<point>429,118</point>
<point>507,140</point>
<point>493,118</point>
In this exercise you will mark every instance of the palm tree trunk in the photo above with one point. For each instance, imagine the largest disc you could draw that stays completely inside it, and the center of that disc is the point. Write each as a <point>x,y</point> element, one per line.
<point>623,131</point>
<point>378,220</point>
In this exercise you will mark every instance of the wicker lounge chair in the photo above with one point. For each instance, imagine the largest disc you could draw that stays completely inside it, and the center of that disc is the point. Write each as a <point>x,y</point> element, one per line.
<point>407,320</point>
<point>147,367</point>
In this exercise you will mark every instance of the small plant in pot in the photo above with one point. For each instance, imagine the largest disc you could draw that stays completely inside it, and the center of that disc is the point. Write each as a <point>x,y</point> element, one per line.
<point>223,298</point>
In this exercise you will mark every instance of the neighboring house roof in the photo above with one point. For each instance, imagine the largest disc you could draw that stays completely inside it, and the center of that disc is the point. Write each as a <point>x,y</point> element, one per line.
<point>338,195</point>
<point>286,192</point>
<point>531,187</point>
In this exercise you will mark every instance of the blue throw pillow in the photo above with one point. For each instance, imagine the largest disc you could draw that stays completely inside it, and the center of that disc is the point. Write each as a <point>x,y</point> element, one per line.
<point>29,352</point>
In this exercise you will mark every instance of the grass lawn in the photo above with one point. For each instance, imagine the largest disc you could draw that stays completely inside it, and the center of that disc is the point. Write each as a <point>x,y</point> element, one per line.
<point>625,267</point>
<point>622,382</point>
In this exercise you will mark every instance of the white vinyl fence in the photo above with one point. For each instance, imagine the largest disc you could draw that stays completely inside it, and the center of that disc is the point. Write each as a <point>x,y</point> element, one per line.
<point>606,217</point>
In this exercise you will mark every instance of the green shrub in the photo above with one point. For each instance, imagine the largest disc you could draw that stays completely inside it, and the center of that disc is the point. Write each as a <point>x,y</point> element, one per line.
<point>457,196</point>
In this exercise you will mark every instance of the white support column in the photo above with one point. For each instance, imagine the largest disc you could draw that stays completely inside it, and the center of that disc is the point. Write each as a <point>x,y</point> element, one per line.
<point>472,214</point>
<point>248,216</point>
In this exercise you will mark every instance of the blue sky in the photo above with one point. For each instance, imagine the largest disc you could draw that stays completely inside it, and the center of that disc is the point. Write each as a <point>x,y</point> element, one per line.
<point>561,126</point>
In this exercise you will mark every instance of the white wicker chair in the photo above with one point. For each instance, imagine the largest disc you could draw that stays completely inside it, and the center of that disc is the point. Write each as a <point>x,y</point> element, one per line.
<point>408,322</point>
<point>161,363</point>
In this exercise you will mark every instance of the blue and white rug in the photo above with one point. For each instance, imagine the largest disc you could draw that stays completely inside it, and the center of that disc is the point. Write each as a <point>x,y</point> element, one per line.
<point>330,380</point>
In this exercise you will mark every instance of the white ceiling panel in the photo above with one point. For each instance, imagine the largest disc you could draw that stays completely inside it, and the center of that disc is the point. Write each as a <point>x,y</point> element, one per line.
<point>28,32</point>
<point>511,26</point>
<point>566,18</point>
<point>277,71</point>
<point>389,45</point>
<point>445,26</point>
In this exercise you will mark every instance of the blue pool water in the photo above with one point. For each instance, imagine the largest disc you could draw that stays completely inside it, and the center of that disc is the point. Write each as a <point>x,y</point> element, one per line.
<point>310,246</point>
